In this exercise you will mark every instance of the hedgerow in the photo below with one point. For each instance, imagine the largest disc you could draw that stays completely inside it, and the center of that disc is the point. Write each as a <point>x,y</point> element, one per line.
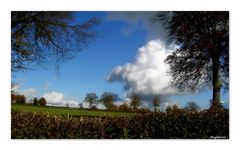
<point>171,125</point>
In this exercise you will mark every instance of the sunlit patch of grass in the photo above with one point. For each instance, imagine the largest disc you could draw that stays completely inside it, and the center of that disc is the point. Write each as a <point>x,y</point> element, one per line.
<point>68,111</point>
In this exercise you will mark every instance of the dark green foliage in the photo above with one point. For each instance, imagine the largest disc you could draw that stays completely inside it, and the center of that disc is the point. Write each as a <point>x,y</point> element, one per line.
<point>192,106</point>
<point>91,98</point>
<point>42,101</point>
<point>201,125</point>
<point>35,101</point>
<point>107,99</point>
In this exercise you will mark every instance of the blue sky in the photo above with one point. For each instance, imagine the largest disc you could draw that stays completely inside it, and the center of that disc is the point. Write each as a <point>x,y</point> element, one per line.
<point>88,71</point>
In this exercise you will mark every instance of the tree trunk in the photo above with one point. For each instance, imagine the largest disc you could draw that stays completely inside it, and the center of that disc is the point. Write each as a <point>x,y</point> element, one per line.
<point>216,82</point>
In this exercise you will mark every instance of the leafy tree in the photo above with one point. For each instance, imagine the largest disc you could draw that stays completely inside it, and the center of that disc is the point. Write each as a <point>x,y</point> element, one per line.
<point>124,107</point>
<point>91,98</point>
<point>192,106</point>
<point>112,107</point>
<point>173,109</point>
<point>202,58</point>
<point>35,101</point>
<point>156,103</point>
<point>135,101</point>
<point>80,105</point>
<point>19,99</point>
<point>107,99</point>
<point>42,101</point>
<point>37,36</point>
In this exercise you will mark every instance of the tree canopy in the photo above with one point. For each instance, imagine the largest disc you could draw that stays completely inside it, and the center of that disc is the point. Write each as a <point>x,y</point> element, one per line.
<point>156,103</point>
<point>37,36</point>
<point>35,101</point>
<point>42,101</point>
<point>107,99</point>
<point>135,101</point>
<point>202,57</point>
<point>91,98</point>
<point>192,106</point>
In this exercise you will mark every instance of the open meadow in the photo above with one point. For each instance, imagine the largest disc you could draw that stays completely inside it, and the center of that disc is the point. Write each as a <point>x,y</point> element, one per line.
<point>63,111</point>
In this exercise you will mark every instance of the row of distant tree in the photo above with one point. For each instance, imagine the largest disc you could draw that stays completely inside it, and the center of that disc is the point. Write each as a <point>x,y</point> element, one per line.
<point>21,99</point>
<point>107,99</point>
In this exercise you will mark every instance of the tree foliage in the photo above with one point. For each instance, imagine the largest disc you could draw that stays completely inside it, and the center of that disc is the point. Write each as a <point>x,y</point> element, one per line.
<point>42,101</point>
<point>156,103</point>
<point>173,109</point>
<point>18,99</point>
<point>91,98</point>
<point>37,36</point>
<point>112,107</point>
<point>192,106</point>
<point>135,101</point>
<point>202,57</point>
<point>107,99</point>
<point>35,101</point>
<point>124,107</point>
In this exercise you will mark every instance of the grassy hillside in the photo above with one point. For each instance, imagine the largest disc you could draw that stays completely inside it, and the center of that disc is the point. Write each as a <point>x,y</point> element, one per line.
<point>68,111</point>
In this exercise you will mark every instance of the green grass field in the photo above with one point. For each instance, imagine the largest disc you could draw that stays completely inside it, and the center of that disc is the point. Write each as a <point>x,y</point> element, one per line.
<point>68,111</point>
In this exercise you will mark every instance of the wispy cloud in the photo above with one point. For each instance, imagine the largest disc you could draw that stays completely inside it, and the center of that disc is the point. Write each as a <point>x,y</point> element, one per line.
<point>46,85</point>
<point>144,20</point>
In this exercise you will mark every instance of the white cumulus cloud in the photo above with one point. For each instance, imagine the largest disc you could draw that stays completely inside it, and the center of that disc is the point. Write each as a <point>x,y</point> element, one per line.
<point>29,93</point>
<point>54,98</point>
<point>58,99</point>
<point>148,74</point>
